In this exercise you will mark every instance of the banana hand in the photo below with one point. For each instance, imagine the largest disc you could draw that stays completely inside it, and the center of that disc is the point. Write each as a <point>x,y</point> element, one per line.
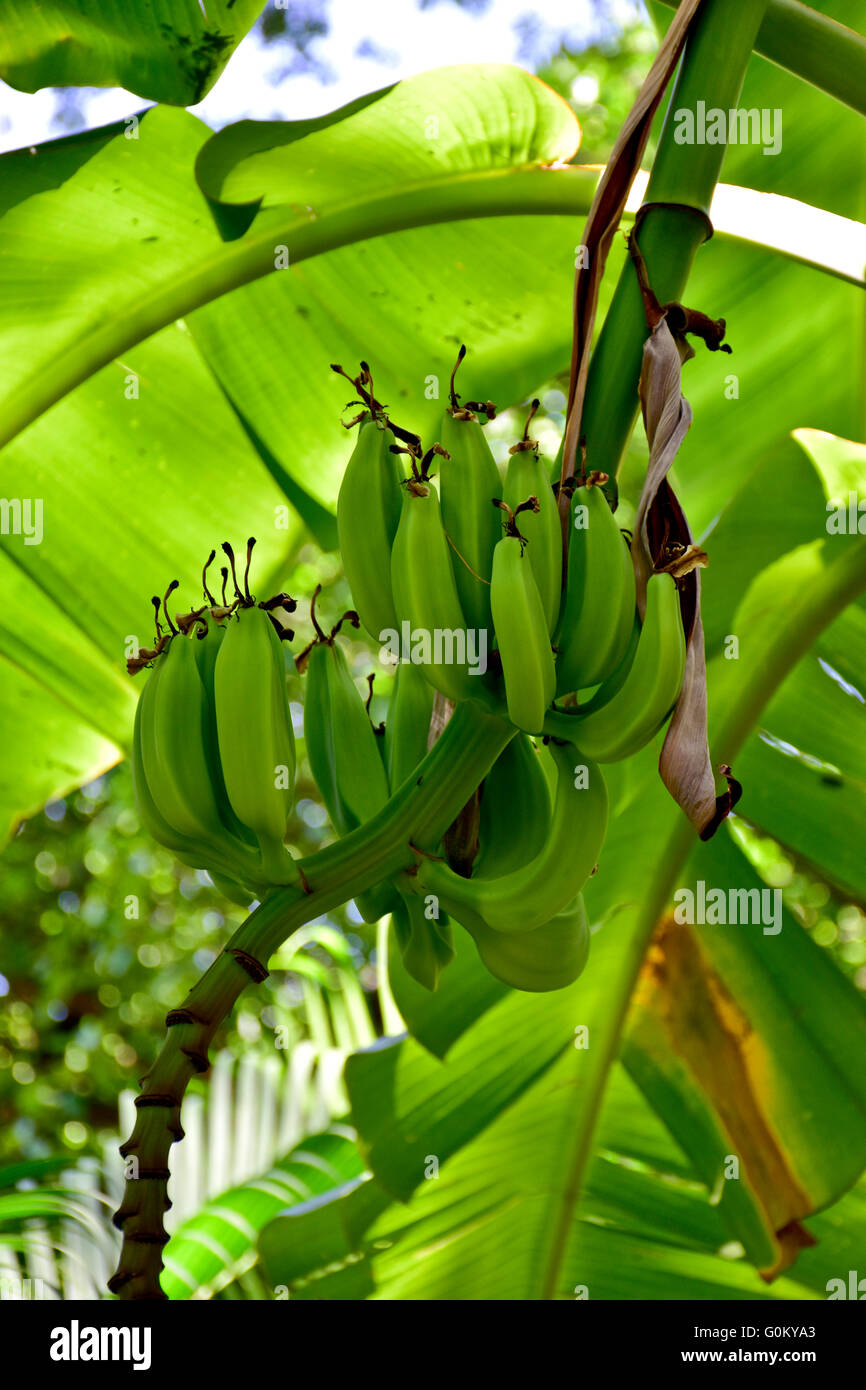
<point>426,944</point>
<point>468,482</point>
<point>344,756</point>
<point>408,723</point>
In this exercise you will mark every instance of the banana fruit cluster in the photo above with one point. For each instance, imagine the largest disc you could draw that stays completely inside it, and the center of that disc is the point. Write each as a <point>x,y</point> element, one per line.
<point>462,572</point>
<point>213,747</point>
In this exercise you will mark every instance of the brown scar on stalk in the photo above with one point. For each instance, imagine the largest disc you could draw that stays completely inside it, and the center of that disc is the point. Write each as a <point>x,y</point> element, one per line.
<point>680,319</point>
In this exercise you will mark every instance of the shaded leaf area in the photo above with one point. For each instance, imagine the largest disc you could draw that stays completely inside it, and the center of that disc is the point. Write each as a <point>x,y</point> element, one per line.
<point>134,492</point>
<point>167,50</point>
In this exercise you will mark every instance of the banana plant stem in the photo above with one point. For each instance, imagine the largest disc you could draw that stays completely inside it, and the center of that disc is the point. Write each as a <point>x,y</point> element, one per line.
<point>684,177</point>
<point>415,818</point>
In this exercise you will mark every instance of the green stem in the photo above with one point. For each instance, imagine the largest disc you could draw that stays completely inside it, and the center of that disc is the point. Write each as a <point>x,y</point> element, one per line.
<point>814,47</point>
<point>418,814</point>
<point>712,71</point>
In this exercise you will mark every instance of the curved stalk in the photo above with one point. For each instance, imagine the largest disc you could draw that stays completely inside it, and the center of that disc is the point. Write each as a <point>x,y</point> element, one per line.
<point>415,818</point>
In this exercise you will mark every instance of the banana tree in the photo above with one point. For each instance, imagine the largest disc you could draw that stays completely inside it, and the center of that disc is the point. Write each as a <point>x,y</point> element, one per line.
<point>173,302</point>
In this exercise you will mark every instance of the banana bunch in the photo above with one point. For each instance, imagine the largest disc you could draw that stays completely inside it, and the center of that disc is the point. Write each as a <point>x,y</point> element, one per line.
<point>213,747</point>
<point>464,563</point>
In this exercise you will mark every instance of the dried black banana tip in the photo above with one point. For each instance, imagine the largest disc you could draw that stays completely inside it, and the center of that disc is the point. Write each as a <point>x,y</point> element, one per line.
<point>175,584</point>
<point>510,523</point>
<point>230,554</point>
<point>279,601</point>
<point>250,545</point>
<point>207,593</point>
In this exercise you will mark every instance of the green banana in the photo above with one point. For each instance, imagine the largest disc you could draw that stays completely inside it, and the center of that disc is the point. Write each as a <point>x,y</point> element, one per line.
<point>515,810</point>
<point>426,944</point>
<point>550,957</point>
<point>206,644</point>
<point>468,482</point>
<point>526,476</point>
<point>152,819</point>
<point>343,754</point>
<point>341,746</point>
<point>368,513</point>
<point>255,736</point>
<point>599,609</point>
<point>408,723</point>
<point>616,680</point>
<point>522,635</point>
<point>426,597</point>
<point>649,692</point>
<point>526,898</point>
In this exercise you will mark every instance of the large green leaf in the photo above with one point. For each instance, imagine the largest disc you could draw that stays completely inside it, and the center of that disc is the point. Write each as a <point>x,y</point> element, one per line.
<point>164,50</point>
